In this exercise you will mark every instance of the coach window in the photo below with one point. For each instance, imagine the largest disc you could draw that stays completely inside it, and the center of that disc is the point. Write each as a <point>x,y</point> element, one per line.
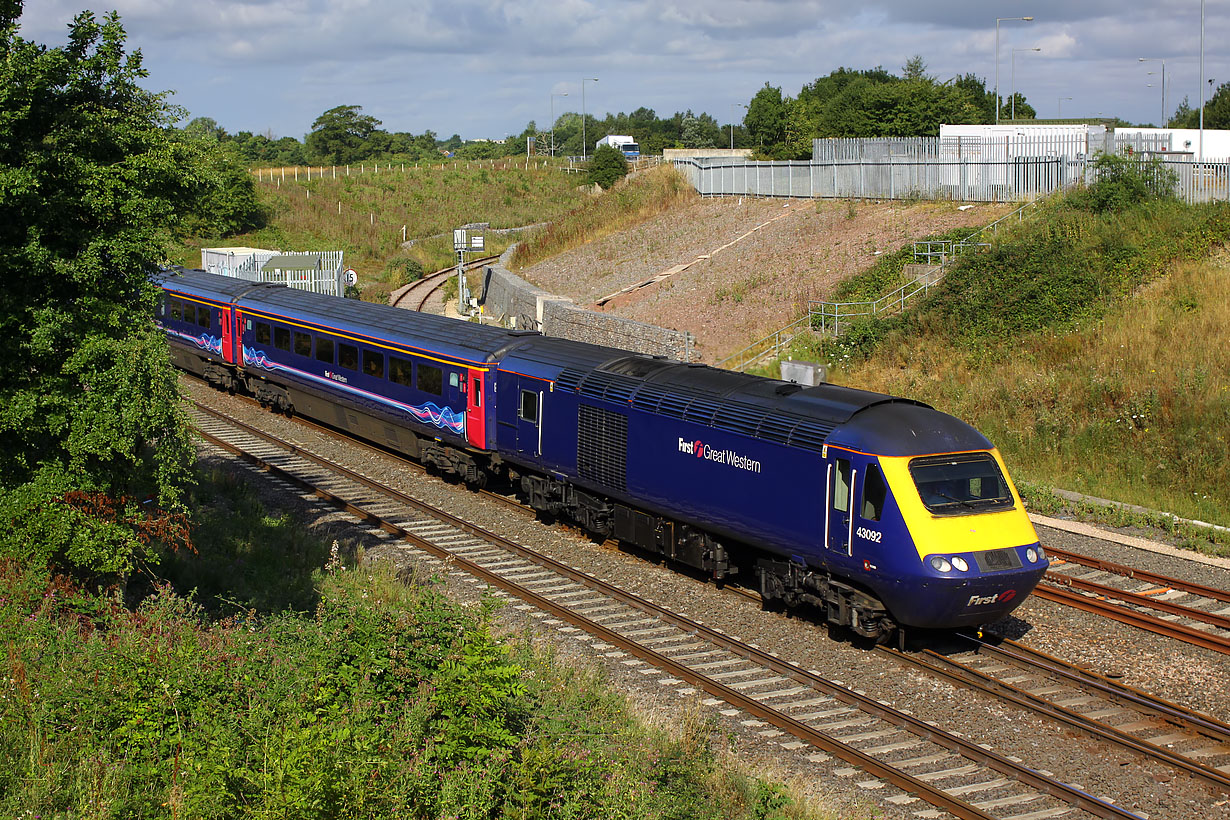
<point>477,392</point>
<point>373,364</point>
<point>529,406</point>
<point>401,371</point>
<point>281,338</point>
<point>202,316</point>
<point>262,333</point>
<point>841,486</point>
<point>303,343</point>
<point>875,491</point>
<point>430,380</point>
<point>324,349</point>
<point>176,309</point>
<point>347,356</point>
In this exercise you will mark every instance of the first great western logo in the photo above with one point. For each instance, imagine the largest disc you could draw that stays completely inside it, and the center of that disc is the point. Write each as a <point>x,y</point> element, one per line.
<point>728,457</point>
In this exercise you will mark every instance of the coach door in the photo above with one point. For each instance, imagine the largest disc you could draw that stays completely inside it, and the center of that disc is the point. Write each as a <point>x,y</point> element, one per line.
<point>476,427</point>
<point>228,344</point>
<point>839,503</point>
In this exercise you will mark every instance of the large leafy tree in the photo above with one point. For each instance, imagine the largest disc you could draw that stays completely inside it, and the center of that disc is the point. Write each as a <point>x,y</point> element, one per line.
<point>341,134</point>
<point>92,178</point>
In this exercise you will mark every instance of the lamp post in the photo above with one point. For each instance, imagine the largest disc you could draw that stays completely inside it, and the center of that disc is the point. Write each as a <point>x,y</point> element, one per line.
<point>1012,80</point>
<point>733,106</point>
<point>1059,113</point>
<point>553,96</point>
<point>1162,122</point>
<point>997,22</point>
<point>1201,82</point>
<point>584,80</point>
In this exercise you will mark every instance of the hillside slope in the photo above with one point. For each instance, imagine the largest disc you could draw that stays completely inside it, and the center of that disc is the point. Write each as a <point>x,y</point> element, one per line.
<point>752,264</point>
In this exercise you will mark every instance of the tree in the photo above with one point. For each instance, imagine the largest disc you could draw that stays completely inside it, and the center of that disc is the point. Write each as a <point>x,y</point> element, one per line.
<point>766,119</point>
<point>339,136</point>
<point>607,166</point>
<point>91,180</point>
<point>205,128</point>
<point>915,68</point>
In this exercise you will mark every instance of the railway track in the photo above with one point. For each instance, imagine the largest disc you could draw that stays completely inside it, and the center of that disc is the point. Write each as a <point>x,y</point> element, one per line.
<point>416,295</point>
<point>804,711</point>
<point>1178,609</point>
<point>1082,700</point>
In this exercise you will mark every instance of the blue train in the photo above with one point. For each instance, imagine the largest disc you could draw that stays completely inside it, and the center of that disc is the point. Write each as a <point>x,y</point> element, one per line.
<point>881,511</point>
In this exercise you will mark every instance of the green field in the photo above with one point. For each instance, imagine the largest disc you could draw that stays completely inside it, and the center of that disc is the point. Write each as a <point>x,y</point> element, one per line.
<point>364,213</point>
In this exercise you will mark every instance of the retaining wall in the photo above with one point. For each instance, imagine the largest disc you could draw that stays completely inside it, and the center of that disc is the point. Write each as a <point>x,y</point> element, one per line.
<point>515,303</point>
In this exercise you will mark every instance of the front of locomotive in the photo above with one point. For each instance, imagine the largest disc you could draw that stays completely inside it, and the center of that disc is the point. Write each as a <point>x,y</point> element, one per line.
<point>965,551</point>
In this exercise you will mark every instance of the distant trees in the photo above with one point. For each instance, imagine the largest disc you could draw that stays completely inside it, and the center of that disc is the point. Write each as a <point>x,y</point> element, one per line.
<point>1216,111</point>
<point>847,102</point>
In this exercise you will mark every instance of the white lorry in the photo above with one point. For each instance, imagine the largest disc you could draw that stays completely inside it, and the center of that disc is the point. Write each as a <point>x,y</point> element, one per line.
<point>622,143</point>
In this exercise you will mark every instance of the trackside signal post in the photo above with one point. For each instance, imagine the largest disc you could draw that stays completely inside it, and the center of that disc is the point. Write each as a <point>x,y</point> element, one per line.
<point>465,242</point>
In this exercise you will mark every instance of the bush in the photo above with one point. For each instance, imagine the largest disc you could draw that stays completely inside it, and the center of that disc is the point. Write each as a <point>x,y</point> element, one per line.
<point>403,271</point>
<point>1122,182</point>
<point>607,166</point>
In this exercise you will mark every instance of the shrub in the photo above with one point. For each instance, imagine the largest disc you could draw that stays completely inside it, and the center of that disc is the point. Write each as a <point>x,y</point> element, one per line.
<point>1122,181</point>
<point>607,166</point>
<point>403,271</point>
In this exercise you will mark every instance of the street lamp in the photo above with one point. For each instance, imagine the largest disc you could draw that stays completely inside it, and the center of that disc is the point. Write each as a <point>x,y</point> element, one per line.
<point>997,21</point>
<point>733,106</point>
<point>1059,114</point>
<point>584,80</point>
<point>553,96</point>
<point>1012,81</point>
<point>1201,157</point>
<point>1162,123</point>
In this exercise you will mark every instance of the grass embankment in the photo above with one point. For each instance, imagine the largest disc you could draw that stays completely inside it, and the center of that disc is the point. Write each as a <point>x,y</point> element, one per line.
<point>628,203</point>
<point>288,690</point>
<point>1088,343</point>
<point>429,200</point>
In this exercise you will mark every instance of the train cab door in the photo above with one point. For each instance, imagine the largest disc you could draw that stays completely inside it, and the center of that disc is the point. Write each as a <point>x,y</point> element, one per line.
<point>529,420</point>
<point>839,504</point>
<point>476,427</point>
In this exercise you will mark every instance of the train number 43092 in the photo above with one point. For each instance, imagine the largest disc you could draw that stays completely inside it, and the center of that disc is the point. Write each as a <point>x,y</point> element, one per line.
<point>870,535</point>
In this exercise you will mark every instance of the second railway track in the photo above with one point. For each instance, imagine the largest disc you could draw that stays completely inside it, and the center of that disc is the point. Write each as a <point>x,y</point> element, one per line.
<point>919,758</point>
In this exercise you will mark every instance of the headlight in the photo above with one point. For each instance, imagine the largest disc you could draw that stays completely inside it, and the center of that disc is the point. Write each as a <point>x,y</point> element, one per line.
<point>1032,555</point>
<point>1041,553</point>
<point>940,564</point>
<point>960,563</point>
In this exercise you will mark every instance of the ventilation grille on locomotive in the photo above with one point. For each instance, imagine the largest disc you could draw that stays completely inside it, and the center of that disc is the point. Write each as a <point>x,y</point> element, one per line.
<point>602,447</point>
<point>996,560</point>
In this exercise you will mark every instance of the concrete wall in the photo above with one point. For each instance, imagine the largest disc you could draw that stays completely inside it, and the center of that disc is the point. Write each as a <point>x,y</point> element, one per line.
<point>513,302</point>
<point>669,154</point>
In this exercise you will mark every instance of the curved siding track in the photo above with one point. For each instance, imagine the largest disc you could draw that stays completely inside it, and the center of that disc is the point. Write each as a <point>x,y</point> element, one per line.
<point>416,295</point>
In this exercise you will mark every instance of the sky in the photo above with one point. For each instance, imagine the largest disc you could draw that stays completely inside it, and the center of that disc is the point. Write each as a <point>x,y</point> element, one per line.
<point>485,68</point>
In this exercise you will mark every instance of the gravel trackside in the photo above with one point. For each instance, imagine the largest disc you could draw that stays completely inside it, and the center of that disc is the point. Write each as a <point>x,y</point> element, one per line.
<point>754,263</point>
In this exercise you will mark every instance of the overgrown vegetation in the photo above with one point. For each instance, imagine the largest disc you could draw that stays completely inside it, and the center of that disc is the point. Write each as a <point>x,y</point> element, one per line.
<point>339,692</point>
<point>631,203</point>
<point>1037,344</point>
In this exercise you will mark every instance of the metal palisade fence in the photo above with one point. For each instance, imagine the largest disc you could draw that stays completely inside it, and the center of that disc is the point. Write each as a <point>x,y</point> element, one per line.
<point>1008,168</point>
<point>317,271</point>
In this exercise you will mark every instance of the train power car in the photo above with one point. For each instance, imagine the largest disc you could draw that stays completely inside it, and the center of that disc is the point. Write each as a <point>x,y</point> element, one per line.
<point>879,510</point>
